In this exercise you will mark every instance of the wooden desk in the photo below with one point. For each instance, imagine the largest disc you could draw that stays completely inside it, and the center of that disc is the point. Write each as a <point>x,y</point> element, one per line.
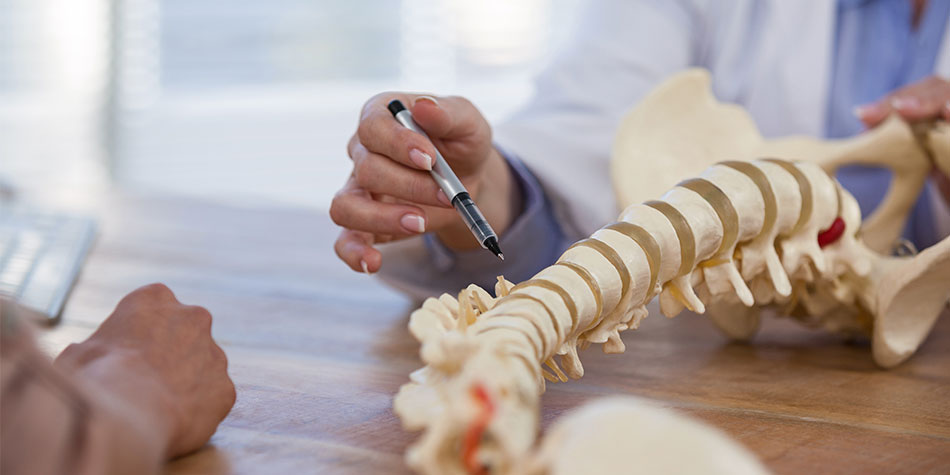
<point>317,352</point>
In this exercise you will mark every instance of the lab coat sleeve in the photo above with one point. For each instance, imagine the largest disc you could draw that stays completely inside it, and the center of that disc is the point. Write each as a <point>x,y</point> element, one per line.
<point>621,50</point>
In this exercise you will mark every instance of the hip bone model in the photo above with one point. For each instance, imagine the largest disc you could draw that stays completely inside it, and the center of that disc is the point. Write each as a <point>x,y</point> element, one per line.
<point>763,225</point>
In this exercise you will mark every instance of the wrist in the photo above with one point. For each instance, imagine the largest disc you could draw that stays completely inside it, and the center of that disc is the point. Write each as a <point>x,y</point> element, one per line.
<point>133,442</point>
<point>127,394</point>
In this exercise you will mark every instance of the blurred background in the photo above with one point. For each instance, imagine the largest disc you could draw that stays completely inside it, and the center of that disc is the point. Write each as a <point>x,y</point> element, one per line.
<point>242,101</point>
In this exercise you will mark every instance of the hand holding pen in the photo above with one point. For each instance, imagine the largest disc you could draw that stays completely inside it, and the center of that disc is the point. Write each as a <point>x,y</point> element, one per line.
<point>391,194</point>
<point>451,187</point>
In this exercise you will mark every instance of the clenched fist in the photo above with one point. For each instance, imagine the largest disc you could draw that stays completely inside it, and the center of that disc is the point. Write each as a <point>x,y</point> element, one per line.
<point>155,357</point>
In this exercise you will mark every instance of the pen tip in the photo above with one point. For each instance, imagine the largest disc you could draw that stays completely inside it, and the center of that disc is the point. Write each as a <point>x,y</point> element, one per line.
<point>492,245</point>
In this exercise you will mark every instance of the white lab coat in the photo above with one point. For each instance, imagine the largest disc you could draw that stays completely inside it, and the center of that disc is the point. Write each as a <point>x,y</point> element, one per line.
<point>771,56</point>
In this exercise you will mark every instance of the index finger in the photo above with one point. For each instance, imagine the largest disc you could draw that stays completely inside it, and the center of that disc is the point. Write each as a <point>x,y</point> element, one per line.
<point>381,133</point>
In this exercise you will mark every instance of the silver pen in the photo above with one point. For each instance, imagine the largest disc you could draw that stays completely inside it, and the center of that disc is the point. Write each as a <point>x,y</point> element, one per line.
<point>451,186</point>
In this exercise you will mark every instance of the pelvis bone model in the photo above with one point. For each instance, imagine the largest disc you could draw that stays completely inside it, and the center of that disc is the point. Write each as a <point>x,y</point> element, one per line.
<point>763,225</point>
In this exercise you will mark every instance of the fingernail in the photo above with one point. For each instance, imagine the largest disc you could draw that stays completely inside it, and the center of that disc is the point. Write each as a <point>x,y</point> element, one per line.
<point>365,267</point>
<point>413,223</point>
<point>440,195</point>
<point>421,159</point>
<point>426,98</point>
<point>862,111</point>
<point>902,103</point>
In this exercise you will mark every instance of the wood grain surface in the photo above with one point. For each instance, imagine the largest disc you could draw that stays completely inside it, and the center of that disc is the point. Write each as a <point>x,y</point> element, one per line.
<point>317,353</point>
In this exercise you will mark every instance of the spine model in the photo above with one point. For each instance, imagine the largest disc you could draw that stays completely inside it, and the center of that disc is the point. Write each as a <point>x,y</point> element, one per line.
<point>742,235</point>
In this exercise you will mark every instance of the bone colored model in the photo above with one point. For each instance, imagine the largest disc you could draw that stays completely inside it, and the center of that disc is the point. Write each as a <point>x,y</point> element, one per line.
<point>651,440</point>
<point>741,236</point>
<point>683,129</point>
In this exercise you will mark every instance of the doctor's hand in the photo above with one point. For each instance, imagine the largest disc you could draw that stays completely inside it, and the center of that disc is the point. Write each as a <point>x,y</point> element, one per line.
<point>924,100</point>
<point>391,195</point>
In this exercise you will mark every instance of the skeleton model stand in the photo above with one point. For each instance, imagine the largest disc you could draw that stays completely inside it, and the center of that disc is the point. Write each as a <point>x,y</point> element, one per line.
<point>746,234</point>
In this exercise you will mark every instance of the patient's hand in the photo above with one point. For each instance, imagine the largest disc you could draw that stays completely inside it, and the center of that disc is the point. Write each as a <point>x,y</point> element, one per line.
<point>155,358</point>
<point>923,100</point>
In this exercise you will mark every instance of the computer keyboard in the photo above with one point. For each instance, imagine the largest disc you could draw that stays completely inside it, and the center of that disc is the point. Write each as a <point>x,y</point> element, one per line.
<point>40,257</point>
